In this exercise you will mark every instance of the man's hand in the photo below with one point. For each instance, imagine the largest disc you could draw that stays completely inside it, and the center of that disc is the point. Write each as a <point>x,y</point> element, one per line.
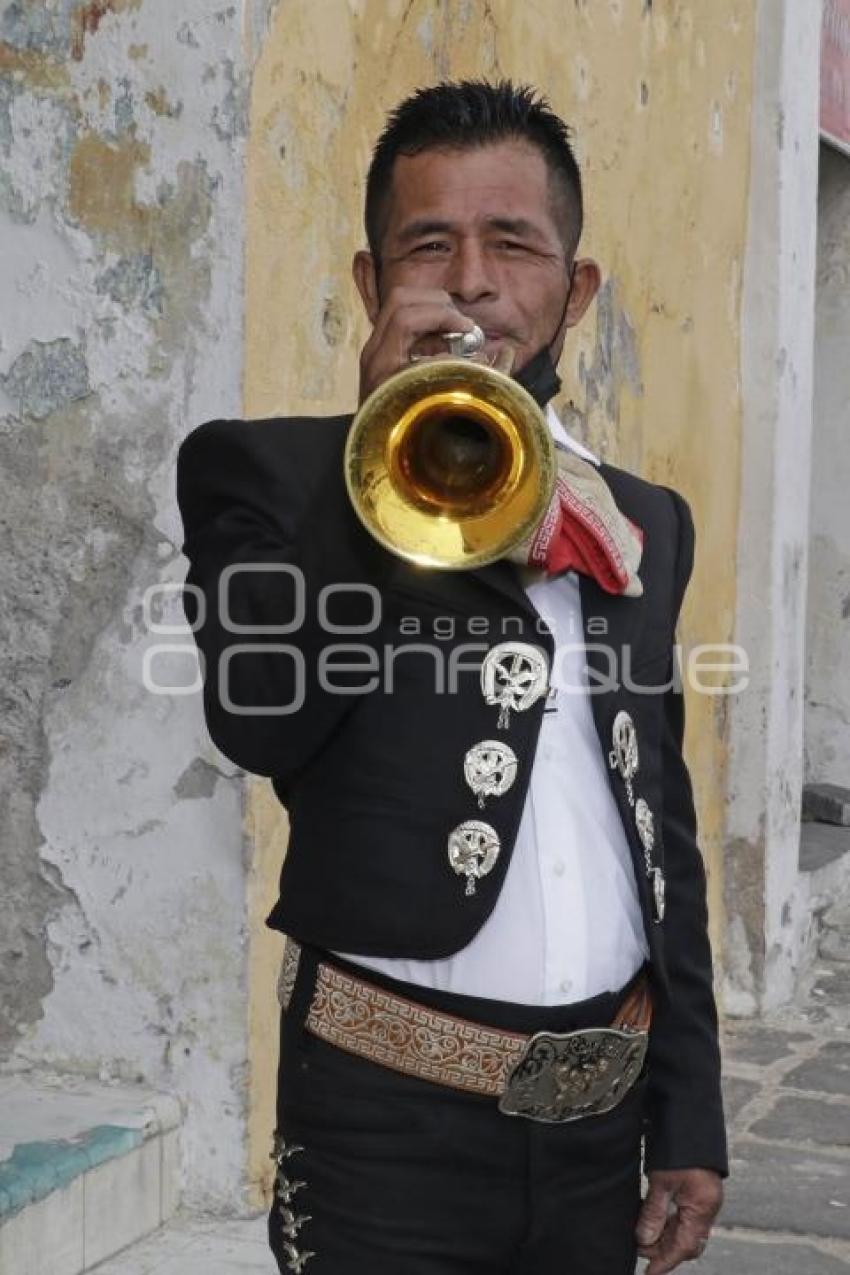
<point>670,1237</point>
<point>407,316</point>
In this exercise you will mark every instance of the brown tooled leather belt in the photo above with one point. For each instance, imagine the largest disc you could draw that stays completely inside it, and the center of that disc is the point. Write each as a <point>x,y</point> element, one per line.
<point>548,1076</point>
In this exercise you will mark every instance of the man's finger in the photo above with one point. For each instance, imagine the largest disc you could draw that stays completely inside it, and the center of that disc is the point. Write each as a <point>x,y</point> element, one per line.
<point>698,1195</point>
<point>653,1213</point>
<point>388,348</point>
<point>402,305</point>
<point>678,1243</point>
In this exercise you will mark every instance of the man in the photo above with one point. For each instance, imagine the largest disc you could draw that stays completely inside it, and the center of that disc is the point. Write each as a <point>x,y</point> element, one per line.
<point>493,890</point>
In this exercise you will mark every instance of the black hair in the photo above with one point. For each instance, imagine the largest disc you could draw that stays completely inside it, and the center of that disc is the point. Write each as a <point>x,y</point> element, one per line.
<point>464,115</point>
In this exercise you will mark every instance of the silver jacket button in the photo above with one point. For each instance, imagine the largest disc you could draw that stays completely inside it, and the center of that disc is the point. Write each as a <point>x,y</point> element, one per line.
<point>624,755</point>
<point>473,850</point>
<point>514,675</point>
<point>489,768</point>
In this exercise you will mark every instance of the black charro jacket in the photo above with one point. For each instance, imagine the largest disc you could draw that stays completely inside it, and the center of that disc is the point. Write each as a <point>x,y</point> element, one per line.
<point>370,766</point>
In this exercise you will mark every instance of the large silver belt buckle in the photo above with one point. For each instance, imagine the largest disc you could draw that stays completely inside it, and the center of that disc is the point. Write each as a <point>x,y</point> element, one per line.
<point>570,1075</point>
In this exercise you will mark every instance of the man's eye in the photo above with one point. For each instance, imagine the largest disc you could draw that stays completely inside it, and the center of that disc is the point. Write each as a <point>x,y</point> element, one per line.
<point>431,247</point>
<point>512,245</point>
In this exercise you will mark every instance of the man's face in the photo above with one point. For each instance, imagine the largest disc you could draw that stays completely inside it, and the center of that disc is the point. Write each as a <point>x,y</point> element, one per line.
<point>480,224</point>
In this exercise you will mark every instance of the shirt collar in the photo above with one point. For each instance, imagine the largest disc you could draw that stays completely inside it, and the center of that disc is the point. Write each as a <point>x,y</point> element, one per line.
<point>560,435</point>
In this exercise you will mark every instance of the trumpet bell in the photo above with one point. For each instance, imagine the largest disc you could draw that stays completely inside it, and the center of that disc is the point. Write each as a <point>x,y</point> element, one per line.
<point>450,464</point>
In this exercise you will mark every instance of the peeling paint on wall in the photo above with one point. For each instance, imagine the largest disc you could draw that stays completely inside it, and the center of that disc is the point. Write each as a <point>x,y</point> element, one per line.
<point>86,19</point>
<point>198,780</point>
<point>615,363</point>
<point>46,377</point>
<point>120,829</point>
<point>133,282</point>
<point>43,28</point>
<point>102,187</point>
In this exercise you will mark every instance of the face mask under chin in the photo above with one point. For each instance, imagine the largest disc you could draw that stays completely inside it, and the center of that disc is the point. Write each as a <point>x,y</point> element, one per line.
<point>539,378</point>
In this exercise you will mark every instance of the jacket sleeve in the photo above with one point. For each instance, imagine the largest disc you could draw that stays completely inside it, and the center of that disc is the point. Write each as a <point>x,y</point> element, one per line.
<point>686,1127</point>
<point>268,526</point>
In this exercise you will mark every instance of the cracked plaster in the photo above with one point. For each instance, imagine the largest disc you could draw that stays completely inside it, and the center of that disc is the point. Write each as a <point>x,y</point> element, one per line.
<point>121,207</point>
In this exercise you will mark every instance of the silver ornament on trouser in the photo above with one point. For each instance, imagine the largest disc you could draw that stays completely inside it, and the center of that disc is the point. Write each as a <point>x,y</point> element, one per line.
<point>489,768</point>
<point>514,675</point>
<point>285,1190</point>
<point>473,850</point>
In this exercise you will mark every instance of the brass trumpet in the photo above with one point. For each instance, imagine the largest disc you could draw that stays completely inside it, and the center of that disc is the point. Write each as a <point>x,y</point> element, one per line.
<point>450,463</point>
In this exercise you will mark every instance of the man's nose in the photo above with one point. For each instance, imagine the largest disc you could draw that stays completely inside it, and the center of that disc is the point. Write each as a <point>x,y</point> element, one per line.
<point>470,277</point>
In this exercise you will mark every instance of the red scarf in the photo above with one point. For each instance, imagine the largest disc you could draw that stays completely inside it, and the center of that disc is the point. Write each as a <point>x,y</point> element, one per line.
<point>583,530</point>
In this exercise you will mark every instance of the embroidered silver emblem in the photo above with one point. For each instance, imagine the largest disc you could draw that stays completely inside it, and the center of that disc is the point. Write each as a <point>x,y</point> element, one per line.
<point>489,768</point>
<point>284,1191</point>
<point>292,1222</point>
<point>624,755</point>
<point>296,1261</point>
<point>658,892</point>
<point>645,825</point>
<point>473,849</point>
<point>646,831</point>
<point>280,1151</point>
<point>288,972</point>
<point>513,675</point>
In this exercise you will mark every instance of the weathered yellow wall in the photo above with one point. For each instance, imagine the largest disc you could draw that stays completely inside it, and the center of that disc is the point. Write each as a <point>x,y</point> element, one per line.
<point>659,94</point>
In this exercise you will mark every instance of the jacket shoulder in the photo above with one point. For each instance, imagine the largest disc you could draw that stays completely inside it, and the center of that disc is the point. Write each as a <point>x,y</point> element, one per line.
<point>291,436</point>
<point>639,497</point>
<point>276,464</point>
<point>631,487</point>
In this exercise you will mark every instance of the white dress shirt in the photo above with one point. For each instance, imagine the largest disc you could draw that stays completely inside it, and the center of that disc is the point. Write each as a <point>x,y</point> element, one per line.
<point>567,924</point>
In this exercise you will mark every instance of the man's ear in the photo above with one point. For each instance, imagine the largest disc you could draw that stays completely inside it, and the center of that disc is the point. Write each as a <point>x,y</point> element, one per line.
<point>365,274</point>
<point>586,280</point>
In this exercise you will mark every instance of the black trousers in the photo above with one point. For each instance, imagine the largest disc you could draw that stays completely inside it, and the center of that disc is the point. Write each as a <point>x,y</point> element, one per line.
<point>399,1176</point>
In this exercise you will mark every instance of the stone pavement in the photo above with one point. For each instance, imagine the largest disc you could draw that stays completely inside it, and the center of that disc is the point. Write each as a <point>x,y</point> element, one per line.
<point>787,1087</point>
<point>787,1206</point>
<point>198,1246</point>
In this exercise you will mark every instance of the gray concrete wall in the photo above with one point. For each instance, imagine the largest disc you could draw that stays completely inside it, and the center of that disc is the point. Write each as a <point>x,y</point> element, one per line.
<point>828,619</point>
<point>765,926</point>
<point>122,129</point>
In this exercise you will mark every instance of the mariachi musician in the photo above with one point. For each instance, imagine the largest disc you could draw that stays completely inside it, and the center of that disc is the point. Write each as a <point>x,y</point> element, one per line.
<point>496,999</point>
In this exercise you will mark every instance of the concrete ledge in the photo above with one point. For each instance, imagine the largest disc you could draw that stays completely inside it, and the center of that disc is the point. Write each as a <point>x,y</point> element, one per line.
<point>823,884</point>
<point>826,803</point>
<point>85,1170</point>
<point>822,844</point>
<point>34,1169</point>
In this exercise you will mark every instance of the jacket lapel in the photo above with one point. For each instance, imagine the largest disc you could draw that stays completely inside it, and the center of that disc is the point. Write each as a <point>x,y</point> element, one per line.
<point>610,623</point>
<point>504,577</point>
